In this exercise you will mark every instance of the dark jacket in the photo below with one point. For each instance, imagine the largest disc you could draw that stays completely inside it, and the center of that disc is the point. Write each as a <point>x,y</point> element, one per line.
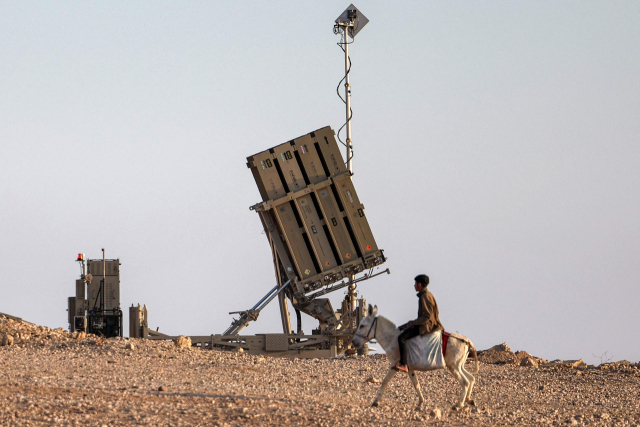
<point>428,319</point>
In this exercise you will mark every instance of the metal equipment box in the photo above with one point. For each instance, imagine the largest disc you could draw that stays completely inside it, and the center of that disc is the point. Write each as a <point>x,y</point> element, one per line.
<point>96,306</point>
<point>111,285</point>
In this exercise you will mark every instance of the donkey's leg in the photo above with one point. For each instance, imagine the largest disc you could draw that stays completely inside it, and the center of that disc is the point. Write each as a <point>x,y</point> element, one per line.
<point>385,382</point>
<point>416,385</point>
<point>472,382</point>
<point>464,383</point>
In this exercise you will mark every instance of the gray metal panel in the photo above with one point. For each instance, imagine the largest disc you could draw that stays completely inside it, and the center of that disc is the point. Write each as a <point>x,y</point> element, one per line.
<point>329,150</point>
<point>316,233</point>
<point>285,158</point>
<point>94,267</point>
<point>276,342</point>
<point>356,216</point>
<point>266,174</point>
<point>112,293</point>
<point>71,308</point>
<point>270,226</point>
<point>294,236</point>
<point>310,159</point>
<point>135,321</point>
<point>92,293</point>
<point>79,304</point>
<point>80,289</point>
<point>335,225</point>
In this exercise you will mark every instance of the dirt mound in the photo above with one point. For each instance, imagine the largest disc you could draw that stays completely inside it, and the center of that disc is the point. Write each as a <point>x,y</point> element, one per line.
<point>17,332</point>
<point>501,354</point>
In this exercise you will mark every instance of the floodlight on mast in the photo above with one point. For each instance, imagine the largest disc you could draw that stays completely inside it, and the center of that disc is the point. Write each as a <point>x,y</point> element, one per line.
<point>348,24</point>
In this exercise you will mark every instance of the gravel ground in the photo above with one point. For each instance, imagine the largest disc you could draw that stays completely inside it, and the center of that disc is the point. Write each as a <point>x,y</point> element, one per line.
<point>48,377</point>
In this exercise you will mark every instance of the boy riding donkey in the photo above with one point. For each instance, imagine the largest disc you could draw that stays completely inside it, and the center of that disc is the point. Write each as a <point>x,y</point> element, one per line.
<point>434,349</point>
<point>426,323</point>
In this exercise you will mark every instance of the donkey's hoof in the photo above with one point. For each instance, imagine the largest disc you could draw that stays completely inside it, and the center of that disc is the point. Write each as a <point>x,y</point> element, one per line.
<point>471,402</point>
<point>374,405</point>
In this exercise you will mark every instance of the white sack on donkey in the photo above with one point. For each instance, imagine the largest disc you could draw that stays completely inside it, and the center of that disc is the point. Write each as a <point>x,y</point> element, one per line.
<point>424,353</point>
<point>457,350</point>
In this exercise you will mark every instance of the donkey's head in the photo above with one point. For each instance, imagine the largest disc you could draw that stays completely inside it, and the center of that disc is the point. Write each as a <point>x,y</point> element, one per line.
<point>367,328</point>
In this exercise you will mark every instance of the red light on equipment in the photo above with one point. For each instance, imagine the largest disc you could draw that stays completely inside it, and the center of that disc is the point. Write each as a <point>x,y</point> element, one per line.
<point>80,257</point>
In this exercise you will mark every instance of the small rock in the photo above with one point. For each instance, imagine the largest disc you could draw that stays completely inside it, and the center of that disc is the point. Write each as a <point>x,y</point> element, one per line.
<point>602,416</point>
<point>7,340</point>
<point>520,355</point>
<point>373,380</point>
<point>183,341</point>
<point>566,364</point>
<point>80,335</point>
<point>541,387</point>
<point>501,347</point>
<point>162,388</point>
<point>239,350</point>
<point>529,361</point>
<point>435,413</point>
<point>130,346</point>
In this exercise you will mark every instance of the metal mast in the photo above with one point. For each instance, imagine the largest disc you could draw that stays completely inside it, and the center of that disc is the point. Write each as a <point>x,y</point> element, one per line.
<point>103,301</point>
<point>349,23</point>
<point>347,97</point>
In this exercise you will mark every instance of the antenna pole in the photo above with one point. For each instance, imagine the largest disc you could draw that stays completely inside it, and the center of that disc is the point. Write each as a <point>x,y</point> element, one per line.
<point>350,21</point>
<point>104,281</point>
<point>352,293</point>
<point>347,96</point>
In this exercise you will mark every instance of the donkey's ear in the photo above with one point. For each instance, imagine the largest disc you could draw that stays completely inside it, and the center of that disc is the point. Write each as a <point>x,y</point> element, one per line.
<point>374,312</point>
<point>370,309</point>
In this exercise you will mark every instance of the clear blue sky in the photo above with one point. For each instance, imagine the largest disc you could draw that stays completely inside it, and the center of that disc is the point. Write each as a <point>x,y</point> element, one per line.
<point>496,150</point>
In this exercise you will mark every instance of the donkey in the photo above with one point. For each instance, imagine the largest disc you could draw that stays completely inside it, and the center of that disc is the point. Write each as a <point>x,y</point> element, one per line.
<point>386,333</point>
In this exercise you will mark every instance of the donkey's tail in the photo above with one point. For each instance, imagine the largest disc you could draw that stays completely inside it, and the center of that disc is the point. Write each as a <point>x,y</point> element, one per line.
<point>474,353</point>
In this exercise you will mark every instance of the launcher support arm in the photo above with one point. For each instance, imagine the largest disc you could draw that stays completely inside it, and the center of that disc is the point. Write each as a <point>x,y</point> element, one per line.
<point>252,315</point>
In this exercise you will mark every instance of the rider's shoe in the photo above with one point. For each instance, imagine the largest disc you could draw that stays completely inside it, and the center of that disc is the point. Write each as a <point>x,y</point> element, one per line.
<point>401,368</point>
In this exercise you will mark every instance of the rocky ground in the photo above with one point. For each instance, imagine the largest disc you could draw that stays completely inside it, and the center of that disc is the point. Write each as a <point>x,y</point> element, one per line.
<point>51,377</point>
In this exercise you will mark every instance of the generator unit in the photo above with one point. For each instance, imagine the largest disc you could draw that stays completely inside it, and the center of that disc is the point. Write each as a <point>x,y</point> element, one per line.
<point>96,307</point>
